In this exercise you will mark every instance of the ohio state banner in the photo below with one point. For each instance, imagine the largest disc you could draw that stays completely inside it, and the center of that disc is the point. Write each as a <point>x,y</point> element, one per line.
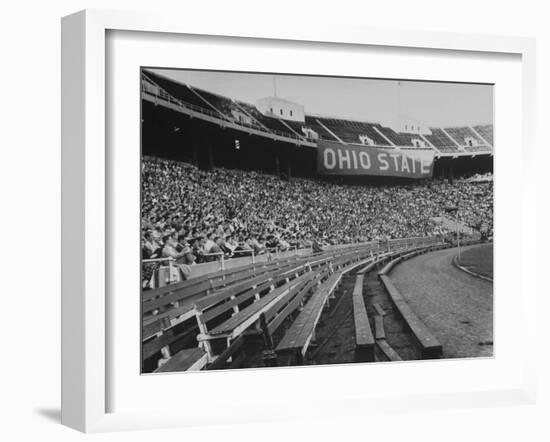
<point>335,158</point>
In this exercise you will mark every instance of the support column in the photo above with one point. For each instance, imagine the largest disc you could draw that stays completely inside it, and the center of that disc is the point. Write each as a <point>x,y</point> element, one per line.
<point>210,157</point>
<point>195,154</point>
<point>277,166</point>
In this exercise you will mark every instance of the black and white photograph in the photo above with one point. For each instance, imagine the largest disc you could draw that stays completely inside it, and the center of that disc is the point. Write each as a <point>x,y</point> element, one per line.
<point>295,220</point>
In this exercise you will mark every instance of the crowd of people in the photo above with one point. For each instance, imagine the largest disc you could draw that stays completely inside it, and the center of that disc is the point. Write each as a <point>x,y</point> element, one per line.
<point>194,216</point>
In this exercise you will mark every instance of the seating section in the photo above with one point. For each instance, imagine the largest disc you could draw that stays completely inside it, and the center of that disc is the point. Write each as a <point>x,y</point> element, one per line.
<point>486,132</point>
<point>399,138</point>
<point>349,131</point>
<point>460,134</point>
<point>178,91</point>
<point>313,124</point>
<point>224,304</point>
<point>293,289</point>
<point>272,124</point>
<point>188,359</point>
<point>174,303</point>
<point>441,141</point>
<point>220,103</point>
<point>296,126</point>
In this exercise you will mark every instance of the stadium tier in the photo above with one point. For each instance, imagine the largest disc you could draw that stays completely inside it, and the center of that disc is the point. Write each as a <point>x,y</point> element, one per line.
<point>462,134</point>
<point>441,141</point>
<point>454,140</point>
<point>271,124</point>
<point>314,124</point>
<point>486,132</point>
<point>176,90</point>
<point>230,211</point>
<point>351,131</point>
<point>400,139</point>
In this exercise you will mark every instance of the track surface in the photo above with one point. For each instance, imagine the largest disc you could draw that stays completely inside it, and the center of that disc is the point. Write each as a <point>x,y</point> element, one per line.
<point>456,307</point>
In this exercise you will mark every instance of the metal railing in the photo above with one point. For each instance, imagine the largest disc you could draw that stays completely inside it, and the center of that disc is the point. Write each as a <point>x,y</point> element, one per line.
<point>221,262</point>
<point>221,256</point>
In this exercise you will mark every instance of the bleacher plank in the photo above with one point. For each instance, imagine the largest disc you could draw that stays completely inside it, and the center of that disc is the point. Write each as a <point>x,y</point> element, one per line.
<point>388,351</point>
<point>298,337</point>
<point>221,359</point>
<point>387,268</point>
<point>379,309</point>
<point>187,359</point>
<point>182,295</point>
<point>364,341</point>
<point>246,317</point>
<point>379,327</point>
<point>169,336</point>
<point>430,346</point>
<point>276,319</point>
<point>157,323</point>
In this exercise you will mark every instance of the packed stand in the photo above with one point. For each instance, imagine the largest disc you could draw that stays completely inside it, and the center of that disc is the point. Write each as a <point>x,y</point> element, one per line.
<point>196,216</point>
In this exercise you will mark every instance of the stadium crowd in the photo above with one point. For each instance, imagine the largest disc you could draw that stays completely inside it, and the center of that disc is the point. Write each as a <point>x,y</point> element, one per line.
<point>194,215</point>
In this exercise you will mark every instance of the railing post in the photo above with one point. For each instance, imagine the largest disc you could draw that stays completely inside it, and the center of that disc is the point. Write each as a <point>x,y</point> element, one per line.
<point>223,262</point>
<point>253,257</point>
<point>170,271</point>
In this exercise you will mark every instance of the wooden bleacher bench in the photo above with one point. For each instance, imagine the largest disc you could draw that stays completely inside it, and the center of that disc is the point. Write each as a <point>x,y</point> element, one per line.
<point>364,341</point>
<point>274,316</point>
<point>387,350</point>
<point>277,315</point>
<point>379,331</point>
<point>387,268</point>
<point>177,292</point>
<point>298,337</point>
<point>221,360</point>
<point>167,335</point>
<point>293,346</point>
<point>186,301</point>
<point>187,359</point>
<point>164,331</point>
<point>182,332</point>
<point>379,309</point>
<point>240,294</point>
<point>430,346</point>
<point>217,340</point>
<point>230,294</point>
<point>243,319</point>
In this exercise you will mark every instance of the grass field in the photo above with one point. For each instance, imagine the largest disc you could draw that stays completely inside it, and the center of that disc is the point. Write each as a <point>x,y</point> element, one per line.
<point>479,260</point>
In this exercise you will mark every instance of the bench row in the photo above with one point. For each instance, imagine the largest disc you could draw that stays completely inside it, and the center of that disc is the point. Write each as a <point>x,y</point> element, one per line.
<point>224,316</point>
<point>220,316</point>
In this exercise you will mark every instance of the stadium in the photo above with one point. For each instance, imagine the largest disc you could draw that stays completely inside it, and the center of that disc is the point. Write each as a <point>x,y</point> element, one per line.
<point>272,236</point>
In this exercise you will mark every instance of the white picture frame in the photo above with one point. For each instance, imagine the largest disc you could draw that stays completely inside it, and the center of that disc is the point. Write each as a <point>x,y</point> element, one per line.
<point>85,202</point>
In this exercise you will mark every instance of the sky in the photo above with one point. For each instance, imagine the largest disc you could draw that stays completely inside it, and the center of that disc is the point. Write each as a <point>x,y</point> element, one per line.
<point>373,100</point>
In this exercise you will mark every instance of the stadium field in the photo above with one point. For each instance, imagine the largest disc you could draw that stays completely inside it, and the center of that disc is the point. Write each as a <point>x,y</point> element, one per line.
<point>479,260</point>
